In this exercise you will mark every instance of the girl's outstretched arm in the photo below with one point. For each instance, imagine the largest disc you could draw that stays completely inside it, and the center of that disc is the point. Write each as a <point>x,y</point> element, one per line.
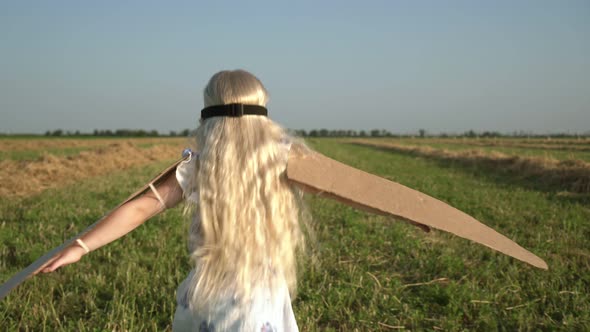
<point>122,221</point>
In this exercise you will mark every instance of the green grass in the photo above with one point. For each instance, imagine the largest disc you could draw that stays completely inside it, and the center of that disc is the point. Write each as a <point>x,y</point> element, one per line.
<point>549,224</point>
<point>371,273</point>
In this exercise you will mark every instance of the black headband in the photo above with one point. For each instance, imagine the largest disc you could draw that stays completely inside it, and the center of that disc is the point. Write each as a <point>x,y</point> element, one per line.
<point>233,110</point>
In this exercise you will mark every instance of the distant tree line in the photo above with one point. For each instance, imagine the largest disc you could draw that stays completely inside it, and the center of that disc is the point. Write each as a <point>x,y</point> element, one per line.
<point>421,133</point>
<point>118,133</point>
<point>343,133</point>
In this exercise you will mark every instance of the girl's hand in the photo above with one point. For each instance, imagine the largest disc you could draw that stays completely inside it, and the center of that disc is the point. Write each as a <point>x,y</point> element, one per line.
<point>70,255</point>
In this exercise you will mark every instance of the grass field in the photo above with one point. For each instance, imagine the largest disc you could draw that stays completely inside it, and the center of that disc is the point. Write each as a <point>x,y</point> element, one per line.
<point>367,273</point>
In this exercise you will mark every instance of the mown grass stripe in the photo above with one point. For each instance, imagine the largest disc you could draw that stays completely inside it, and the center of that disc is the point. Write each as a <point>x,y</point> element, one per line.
<point>541,173</point>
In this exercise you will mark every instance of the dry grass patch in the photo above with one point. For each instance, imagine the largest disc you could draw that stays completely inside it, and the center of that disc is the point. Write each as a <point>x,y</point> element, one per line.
<point>25,178</point>
<point>43,143</point>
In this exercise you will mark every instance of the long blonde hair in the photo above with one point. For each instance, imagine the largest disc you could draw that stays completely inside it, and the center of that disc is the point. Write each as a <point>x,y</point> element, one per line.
<point>249,230</point>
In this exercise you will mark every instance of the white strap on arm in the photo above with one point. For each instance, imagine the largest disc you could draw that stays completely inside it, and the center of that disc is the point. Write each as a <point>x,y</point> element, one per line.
<point>83,245</point>
<point>157,195</point>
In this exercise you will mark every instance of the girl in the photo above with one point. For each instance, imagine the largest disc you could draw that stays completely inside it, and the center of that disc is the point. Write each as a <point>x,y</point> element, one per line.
<point>245,209</point>
<point>245,228</point>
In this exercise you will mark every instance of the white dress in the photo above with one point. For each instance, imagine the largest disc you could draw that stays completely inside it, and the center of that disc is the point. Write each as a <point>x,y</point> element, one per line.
<point>268,310</point>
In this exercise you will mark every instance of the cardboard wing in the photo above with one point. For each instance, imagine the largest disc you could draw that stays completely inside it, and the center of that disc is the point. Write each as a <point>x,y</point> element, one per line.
<point>46,259</point>
<point>319,174</point>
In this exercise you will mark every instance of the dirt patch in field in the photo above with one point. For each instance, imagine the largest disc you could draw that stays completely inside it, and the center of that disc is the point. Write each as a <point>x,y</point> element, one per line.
<point>560,147</point>
<point>581,145</point>
<point>25,178</point>
<point>571,175</point>
<point>581,142</point>
<point>513,144</point>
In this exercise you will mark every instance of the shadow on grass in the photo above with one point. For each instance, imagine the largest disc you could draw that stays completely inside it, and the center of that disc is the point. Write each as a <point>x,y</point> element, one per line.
<point>558,183</point>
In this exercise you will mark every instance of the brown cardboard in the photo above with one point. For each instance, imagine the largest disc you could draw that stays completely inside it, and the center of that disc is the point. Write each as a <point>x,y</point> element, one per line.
<point>321,175</point>
<point>46,259</point>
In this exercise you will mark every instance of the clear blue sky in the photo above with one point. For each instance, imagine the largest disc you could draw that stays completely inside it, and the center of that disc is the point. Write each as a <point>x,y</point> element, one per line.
<point>439,65</point>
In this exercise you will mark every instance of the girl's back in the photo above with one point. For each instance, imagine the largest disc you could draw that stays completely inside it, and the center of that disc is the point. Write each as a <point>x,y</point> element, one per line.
<point>245,217</point>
